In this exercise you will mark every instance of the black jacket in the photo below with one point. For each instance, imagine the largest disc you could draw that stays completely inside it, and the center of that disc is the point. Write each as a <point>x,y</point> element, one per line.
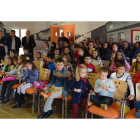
<point>128,52</point>
<point>64,39</point>
<point>31,44</point>
<point>105,53</point>
<point>9,43</point>
<point>2,49</point>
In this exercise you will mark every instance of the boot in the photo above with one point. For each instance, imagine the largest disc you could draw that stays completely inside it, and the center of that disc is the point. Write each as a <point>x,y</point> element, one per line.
<point>22,99</point>
<point>18,104</point>
<point>49,113</point>
<point>42,115</point>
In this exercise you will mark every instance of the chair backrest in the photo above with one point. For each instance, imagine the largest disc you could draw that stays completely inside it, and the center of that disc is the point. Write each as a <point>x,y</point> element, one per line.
<point>92,77</point>
<point>38,64</point>
<point>131,73</point>
<point>43,56</point>
<point>133,60</point>
<point>121,87</point>
<point>105,63</point>
<point>44,74</point>
<point>97,68</point>
<point>138,92</point>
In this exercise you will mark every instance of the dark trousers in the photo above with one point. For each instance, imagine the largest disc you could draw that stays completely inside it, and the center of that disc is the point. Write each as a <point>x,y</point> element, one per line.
<point>10,85</point>
<point>98,100</point>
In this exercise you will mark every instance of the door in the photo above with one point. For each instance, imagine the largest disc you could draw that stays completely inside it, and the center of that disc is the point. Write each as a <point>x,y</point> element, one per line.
<point>55,33</point>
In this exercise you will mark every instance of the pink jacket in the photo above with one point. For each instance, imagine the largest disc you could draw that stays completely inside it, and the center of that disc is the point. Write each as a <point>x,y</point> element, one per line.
<point>113,66</point>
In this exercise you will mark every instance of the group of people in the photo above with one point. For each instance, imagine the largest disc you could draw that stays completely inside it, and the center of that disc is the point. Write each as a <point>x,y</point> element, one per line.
<point>69,64</point>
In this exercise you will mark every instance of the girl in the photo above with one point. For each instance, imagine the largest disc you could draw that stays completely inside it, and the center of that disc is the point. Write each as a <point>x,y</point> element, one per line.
<point>119,56</point>
<point>136,65</point>
<point>67,64</point>
<point>112,58</point>
<point>18,73</point>
<point>46,49</point>
<point>9,65</point>
<point>96,60</point>
<point>38,57</point>
<point>81,57</point>
<point>90,47</point>
<point>78,87</point>
<point>31,75</point>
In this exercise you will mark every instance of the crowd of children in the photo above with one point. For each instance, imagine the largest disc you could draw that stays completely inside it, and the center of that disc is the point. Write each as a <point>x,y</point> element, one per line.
<point>69,64</point>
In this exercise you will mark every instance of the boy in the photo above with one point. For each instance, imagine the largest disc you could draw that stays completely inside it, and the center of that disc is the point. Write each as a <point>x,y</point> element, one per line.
<point>120,74</point>
<point>56,54</point>
<point>50,63</point>
<point>12,53</point>
<point>60,79</point>
<point>105,88</point>
<point>38,57</point>
<point>90,67</point>
<point>26,52</point>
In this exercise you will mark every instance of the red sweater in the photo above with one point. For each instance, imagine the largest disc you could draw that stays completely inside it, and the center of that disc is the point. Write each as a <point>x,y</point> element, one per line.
<point>76,55</point>
<point>90,67</point>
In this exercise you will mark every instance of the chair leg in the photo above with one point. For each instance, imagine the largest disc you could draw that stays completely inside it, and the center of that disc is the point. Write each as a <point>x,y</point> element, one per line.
<point>63,104</point>
<point>66,109</point>
<point>92,116</point>
<point>33,105</point>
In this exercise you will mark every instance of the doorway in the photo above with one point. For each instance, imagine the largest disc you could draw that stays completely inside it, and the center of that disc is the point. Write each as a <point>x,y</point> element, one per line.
<point>55,32</point>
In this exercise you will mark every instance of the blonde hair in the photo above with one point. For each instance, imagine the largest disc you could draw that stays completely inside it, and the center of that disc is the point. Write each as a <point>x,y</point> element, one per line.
<point>67,56</point>
<point>82,66</point>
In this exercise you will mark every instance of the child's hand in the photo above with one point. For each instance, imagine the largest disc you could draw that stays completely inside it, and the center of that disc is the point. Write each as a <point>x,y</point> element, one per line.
<point>103,86</point>
<point>24,83</point>
<point>106,88</point>
<point>24,68</point>
<point>92,93</point>
<point>17,78</point>
<point>131,97</point>
<point>77,90</point>
<point>7,75</point>
<point>45,88</point>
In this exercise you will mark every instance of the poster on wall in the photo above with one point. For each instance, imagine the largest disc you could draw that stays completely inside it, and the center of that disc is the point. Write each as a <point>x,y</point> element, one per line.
<point>135,36</point>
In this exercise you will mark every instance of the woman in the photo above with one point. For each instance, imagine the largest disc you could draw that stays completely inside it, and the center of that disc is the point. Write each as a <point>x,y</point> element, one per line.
<point>2,46</point>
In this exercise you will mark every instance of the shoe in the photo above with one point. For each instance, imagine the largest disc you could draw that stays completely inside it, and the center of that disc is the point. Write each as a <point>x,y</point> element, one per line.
<point>49,113</point>
<point>104,106</point>
<point>5,101</point>
<point>22,102</point>
<point>42,115</point>
<point>1,98</point>
<point>16,106</point>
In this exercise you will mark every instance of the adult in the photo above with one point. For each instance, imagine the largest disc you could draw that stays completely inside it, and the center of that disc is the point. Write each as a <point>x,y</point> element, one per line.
<point>136,48</point>
<point>121,43</point>
<point>62,38</point>
<point>13,42</point>
<point>2,46</point>
<point>110,43</point>
<point>90,47</point>
<point>88,40</point>
<point>72,45</point>
<point>29,42</point>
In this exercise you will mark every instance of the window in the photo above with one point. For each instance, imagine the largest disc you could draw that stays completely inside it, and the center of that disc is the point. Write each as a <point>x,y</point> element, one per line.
<point>111,26</point>
<point>16,32</point>
<point>22,33</point>
<point>61,30</point>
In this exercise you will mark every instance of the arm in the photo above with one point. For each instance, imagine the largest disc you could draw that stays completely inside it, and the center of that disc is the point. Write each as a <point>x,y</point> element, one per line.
<point>70,69</point>
<point>51,82</point>
<point>97,87</point>
<point>112,88</point>
<point>130,85</point>
<point>23,41</point>
<point>127,68</point>
<point>88,85</point>
<point>12,67</point>
<point>72,84</point>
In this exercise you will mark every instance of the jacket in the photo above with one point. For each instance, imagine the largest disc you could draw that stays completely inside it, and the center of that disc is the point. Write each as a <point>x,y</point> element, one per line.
<point>2,48</point>
<point>90,67</point>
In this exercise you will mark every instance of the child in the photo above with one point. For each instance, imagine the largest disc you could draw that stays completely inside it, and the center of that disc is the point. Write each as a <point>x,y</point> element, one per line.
<point>90,47</point>
<point>136,65</point>
<point>7,55</point>
<point>120,74</point>
<point>46,49</point>
<point>38,57</point>
<point>96,60</point>
<point>90,67</point>
<point>105,88</point>
<point>119,56</point>
<point>27,53</point>
<point>78,87</point>
<point>18,73</point>
<point>60,79</point>
<point>58,47</point>
<point>67,65</point>
<point>12,53</point>
<point>56,54</point>
<point>31,75</point>
<point>15,61</point>
<point>50,63</point>
<point>112,58</point>
<point>81,57</point>
<point>75,55</point>
<point>53,47</point>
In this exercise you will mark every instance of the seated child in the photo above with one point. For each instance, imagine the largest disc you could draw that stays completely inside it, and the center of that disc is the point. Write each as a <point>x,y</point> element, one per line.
<point>60,79</point>
<point>56,54</point>
<point>81,57</point>
<point>53,47</point>
<point>46,49</point>
<point>12,53</point>
<point>27,53</point>
<point>31,75</point>
<point>7,55</point>
<point>104,88</point>
<point>15,61</point>
<point>75,55</point>
<point>67,65</point>
<point>50,63</point>
<point>112,58</point>
<point>90,67</point>
<point>120,74</point>
<point>78,87</point>
<point>38,57</point>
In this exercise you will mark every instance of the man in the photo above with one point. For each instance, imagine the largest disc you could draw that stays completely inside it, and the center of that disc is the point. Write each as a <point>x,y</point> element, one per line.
<point>127,52</point>
<point>13,42</point>
<point>2,46</point>
<point>72,45</point>
<point>110,43</point>
<point>88,40</point>
<point>121,43</point>
<point>63,38</point>
<point>29,42</point>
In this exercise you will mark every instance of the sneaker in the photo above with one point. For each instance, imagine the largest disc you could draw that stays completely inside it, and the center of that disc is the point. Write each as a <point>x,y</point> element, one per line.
<point>104,106</point>
<point>42,115</point>
<point>49,113</point>
<point>1,98</point>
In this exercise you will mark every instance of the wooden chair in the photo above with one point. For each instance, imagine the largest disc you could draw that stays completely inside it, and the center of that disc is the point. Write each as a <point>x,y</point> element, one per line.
<point>133,60</point>
<point>105,63</point>
<point>113,109</point>
<point>43,56</point>
<point>38,64</point>
<point>131,115</point>
<point>97,68</point>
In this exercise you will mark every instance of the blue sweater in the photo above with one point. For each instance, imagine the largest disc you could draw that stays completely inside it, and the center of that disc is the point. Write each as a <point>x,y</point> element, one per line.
<point>78,97</point>
<point>51,67</point>
<point>60,79</point>
<point>33,75</point>
<point>134,56</point>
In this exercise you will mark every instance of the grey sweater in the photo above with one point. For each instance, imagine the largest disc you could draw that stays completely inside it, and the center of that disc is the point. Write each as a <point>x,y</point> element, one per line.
<point>102,92</point>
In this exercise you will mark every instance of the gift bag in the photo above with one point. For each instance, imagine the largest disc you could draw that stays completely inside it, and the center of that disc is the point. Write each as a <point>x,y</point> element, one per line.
<point>49,92</point>
<point>9,79</point>
<point>136,78</point>
<point>40,84</point>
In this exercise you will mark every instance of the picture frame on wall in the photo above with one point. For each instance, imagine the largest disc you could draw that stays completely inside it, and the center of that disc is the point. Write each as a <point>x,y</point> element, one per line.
<point>135,36</point>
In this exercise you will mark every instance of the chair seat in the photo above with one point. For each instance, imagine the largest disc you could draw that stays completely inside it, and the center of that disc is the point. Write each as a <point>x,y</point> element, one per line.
<point>69,97</point>
<point>59,97</point>
<point>30,90</point>
<point>131,115</point>
<point>16,86</point>
<point>111,113</point>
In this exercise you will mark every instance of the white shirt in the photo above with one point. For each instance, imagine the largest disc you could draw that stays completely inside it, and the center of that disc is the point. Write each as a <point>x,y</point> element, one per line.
<point>13,47</point>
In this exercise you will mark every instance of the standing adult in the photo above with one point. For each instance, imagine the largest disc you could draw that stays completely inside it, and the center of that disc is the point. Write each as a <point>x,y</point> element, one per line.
<point>111,41</point>
<point>121,44</point>
<point>2,46</point>
<point>13,42</point>
<point>63,38</point>
<point>29,42</point>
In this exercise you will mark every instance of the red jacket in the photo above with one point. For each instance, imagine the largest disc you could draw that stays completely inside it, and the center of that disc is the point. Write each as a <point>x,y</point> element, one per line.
<point>76,55</point>
<point>90,67</point>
